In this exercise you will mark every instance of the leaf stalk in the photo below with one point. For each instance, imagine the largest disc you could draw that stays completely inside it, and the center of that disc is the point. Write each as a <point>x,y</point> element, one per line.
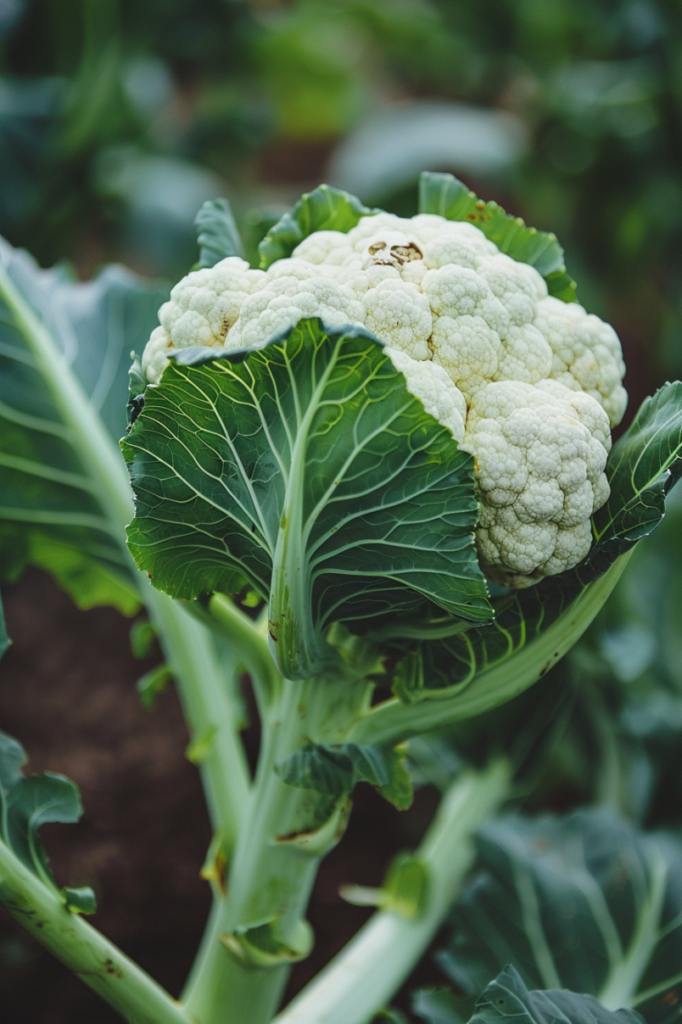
<point>393,721</point>
<point>92,957</point>
<point>372,967</point>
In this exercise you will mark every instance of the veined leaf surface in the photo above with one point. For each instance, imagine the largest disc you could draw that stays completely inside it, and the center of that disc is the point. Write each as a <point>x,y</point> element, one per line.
<point>309,456</point>
<point>585,902</point>
<point>507,996</point>
<point>335,770</point>
<point>643,466</point>
<point>52,513</point>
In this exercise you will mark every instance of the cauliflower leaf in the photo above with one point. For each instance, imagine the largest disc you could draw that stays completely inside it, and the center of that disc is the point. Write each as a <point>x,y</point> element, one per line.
<point>324,209</point>
<point>585,902</point>
<point>308,469</point>
<point>217,233</point>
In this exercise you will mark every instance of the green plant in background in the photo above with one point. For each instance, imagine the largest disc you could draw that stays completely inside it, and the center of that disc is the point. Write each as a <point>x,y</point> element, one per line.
<point>300,494</point>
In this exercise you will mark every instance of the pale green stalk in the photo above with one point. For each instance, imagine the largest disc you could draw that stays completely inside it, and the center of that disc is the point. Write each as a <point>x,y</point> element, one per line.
<point>368,972</point>
<point>95,960</point>
<point>209,709</point>
<point>392,721</point>
<point>238,976</point>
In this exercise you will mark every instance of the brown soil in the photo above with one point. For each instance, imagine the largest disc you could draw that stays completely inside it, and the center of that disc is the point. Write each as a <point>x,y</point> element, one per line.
<point>68,694</point>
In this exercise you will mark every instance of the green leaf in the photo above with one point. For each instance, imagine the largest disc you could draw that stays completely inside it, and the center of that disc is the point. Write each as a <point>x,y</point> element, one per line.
<point>217,233</point>
<point>323,209</point>
<point>311,456</point>
<point>405,887</point>
<point>26,803</point>
<point>137,385</point>
<point>584,902</point>
<point>142,638</point>
<point>643,466</point>
<point>200,746</point>
<point>12,757</point>
<point>507,997</point>
<point>52,513</point>
<point>335,770</point>
<point>152,683</point>
<point>32,802</point>
<point>448,197</point>
<point>80,901</point>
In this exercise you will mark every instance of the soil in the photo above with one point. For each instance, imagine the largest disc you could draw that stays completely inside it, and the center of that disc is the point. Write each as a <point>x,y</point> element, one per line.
<point>68,694</point>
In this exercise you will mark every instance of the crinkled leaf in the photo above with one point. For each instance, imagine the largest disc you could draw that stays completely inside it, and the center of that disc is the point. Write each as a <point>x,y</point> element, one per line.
<point>642,467</point>
<point>312,456</point>
<point>26,803</point>
<point>584,902</point>
<point>448,197</point>
<point>217,233</point>
<point>335,770</point>
<point>51,512</point>
<point>508,998</point>
<point>323,209</point>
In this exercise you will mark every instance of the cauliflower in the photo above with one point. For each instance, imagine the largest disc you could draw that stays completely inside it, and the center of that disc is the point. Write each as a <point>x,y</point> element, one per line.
<point>528,384</point>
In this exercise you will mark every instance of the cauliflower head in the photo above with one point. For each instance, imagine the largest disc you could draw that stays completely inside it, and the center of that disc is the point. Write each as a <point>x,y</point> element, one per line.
<point>530,385</point>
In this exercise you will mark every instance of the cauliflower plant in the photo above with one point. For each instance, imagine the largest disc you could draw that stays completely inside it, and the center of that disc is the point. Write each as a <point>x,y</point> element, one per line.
<point>530,385</point>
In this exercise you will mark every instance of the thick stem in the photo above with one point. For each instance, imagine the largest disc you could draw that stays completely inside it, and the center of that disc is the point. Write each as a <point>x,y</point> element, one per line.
<point>393,721</point>
<point>209,709</point>
<point>94,959</point>
<point>372,967</point>
<point>259,929</point>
